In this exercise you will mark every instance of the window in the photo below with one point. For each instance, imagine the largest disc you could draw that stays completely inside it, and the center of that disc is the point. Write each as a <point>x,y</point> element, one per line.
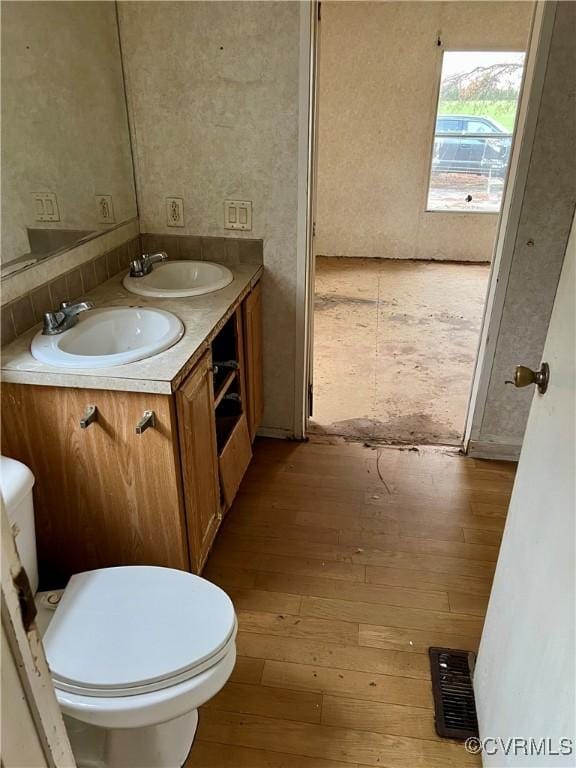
<point>477,106</point>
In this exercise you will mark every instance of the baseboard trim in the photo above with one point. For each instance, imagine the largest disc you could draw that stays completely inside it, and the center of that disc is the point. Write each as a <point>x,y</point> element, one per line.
<point>277,432</point>
<point>479,449</point>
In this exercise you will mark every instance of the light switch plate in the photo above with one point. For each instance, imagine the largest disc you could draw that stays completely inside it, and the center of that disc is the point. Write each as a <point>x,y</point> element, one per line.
<point>46,206</point>
<point>105,209</point>
<point>174,211</point>
<point>238,214</point>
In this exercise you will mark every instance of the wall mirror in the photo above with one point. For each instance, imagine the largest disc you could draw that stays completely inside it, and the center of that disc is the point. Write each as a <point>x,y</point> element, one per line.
<point>66,160</point>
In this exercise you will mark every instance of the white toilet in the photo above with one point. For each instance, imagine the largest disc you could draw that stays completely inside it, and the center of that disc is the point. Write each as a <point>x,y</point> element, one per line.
<point>133,651</point>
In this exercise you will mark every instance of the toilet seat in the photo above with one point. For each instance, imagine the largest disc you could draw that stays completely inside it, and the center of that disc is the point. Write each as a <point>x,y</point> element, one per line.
<point>136,629</point>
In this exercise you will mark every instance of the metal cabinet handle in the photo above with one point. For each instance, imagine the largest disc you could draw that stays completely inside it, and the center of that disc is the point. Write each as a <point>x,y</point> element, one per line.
<point>89,417</point>
<point>148,420</point>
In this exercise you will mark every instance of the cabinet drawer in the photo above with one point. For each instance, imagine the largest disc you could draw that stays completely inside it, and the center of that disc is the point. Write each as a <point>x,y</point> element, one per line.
<point>234,459</point>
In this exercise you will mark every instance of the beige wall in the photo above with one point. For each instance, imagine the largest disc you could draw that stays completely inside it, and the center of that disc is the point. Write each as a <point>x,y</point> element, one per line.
<point>213,99</point>
<point>379,73</point>
<point>64,122</point>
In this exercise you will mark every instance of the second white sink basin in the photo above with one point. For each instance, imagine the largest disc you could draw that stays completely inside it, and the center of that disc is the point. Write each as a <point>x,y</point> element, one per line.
<point>108,337</point>
<point>178,279</point>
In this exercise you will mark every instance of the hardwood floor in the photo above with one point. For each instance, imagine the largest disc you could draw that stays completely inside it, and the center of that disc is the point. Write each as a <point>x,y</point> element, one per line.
<point>345,563</point>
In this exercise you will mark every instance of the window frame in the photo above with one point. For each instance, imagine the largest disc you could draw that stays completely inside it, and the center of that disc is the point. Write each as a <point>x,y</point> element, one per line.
<point>439,68</point>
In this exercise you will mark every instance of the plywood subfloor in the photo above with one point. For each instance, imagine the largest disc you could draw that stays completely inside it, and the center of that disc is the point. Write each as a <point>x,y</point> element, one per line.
<point>395,343</point>
<point>345,563</point>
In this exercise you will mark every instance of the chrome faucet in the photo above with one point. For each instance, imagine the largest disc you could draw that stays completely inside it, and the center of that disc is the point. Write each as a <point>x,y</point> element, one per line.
<point>143,265</point>
<point>64,318</point>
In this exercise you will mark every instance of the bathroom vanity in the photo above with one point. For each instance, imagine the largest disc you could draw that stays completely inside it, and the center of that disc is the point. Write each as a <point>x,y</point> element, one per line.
<point>138,464</point>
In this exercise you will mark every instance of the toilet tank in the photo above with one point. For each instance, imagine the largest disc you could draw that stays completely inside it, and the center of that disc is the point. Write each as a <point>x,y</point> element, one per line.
<point>16,482</point>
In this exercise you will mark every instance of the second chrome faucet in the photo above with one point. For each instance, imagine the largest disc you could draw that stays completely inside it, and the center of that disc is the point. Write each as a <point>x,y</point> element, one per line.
<point>143,265</point>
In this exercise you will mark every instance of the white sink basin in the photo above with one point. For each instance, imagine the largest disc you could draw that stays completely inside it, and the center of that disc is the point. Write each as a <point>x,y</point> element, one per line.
<point>177,279</point>
<point>107,337</point>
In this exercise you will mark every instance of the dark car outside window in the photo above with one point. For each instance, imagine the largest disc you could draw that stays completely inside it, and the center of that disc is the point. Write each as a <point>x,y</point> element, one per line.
<point>448,125</point>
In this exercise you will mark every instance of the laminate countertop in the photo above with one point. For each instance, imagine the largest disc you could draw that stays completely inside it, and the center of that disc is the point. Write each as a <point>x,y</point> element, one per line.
<point>202,316</point>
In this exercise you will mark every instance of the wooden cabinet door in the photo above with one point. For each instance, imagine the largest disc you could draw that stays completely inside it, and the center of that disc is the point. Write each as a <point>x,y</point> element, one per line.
<point>195,404</point>
<point>234,460</point>
<point>252,313</point>
<point>104,495</point>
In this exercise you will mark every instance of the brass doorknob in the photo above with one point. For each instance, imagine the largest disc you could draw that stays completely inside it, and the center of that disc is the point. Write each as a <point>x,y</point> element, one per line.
<point>524,376</point>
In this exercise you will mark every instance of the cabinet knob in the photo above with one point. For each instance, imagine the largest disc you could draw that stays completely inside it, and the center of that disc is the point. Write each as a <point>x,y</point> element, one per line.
<point>148,420</point>
<point>89,417</point>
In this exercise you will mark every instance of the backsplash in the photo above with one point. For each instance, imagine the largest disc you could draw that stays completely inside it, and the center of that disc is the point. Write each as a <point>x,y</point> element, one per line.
<point>20,315</point>
<point>225,250</point>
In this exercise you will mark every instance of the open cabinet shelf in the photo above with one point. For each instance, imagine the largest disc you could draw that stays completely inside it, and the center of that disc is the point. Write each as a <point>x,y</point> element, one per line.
<point>224,387</point>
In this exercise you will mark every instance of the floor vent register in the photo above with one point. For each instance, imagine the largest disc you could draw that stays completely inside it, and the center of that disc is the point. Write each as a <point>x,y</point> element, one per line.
<point>455,709</point>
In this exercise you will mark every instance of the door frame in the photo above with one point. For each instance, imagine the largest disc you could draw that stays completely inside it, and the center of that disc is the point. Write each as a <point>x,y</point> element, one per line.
<point>531,92</point>
<point>27,652</point>
<point>508,223</point>
<point>307,161</point>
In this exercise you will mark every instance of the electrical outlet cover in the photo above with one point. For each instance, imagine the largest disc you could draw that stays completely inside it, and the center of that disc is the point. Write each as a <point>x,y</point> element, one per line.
<point>175,211</point>
<point>46,207</point>
<point>105,209</point>
<point>238,214</point>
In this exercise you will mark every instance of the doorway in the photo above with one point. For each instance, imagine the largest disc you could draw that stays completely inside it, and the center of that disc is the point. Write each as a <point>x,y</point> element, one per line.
<point>401,337</point>
<point>413,150</point>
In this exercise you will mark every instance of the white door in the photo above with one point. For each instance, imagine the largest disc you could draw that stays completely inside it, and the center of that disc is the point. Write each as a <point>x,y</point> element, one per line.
<point>524,678</point>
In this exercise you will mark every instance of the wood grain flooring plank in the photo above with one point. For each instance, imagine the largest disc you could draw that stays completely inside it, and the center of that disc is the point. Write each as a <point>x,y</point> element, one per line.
<point>287,532</point>
<point>427,580</point>
<point>301,495</point>
<point>368,593</point>
<point>246,599</point>
<point>302,566</point>
<point>328,743</point>
<point>413,640</point>
<point>249,509</point>
<point>352,657</point>
<point>425,514</point>
<point>400,519</point>
<point>345,682</point>
<point>421,545</point>
<point>390,616</point>
<point>490,508</point>
<point>386,525</point>
<point>285,625</point>
<point>247,670</point>
<point>475,605</point>
<point>475,536</point>
<point>271,702</point>
<point>379,717</point>
<point>206,754</point>
<point>231,577</point>
<point>352,554</point>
